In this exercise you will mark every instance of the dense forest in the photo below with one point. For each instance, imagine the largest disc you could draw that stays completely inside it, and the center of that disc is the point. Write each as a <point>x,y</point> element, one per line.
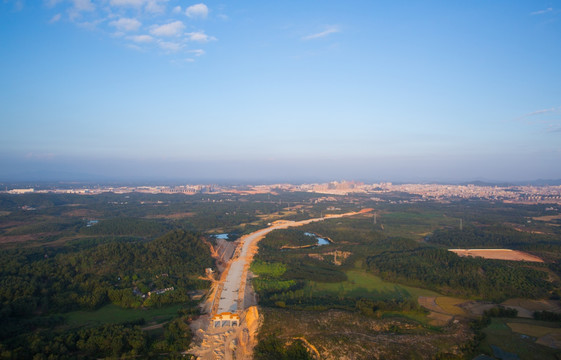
<point>39,284</point>
<point>63,253</point>
<point>448,273</point>
<point>427,264</point>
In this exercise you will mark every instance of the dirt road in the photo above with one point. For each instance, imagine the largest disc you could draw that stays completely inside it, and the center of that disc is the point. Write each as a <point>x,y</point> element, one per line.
<point>235,280</point>
<point>237,342</point>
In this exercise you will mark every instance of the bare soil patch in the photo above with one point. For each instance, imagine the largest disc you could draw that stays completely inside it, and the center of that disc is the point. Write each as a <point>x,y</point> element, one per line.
<point>497,254</point>
<point>550,340</point>
<point>442,309</point>
<point>341,335</point>
<point>477,308</point>
<point>181,215</point>
<point>429,303</point>
<point>547,218</point>
<point>535,305</point>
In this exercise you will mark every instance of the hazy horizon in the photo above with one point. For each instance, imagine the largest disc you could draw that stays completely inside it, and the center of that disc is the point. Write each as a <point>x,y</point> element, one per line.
<point>148,90</point>
<point>271,171</point>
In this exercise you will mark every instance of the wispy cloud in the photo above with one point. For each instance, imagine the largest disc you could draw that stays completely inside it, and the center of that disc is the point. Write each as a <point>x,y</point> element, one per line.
<point>330,30</point>
<point>156,6</point>
<point>197,52</point>
<point>17,5</point>
<point>126,24</point>
<point>170,46</point>
<point>52,3</point>
<point>548,118</point>
<point>78,7</point>
<point>151,6</point>
<point>83,5</point>
<point>55,18</point>
<point>199,36</point>
<point>135,3</point>
<point>197,11</point>
<point>541,12</point>
<point>141,38</point>
<point>540,112</point>
<point>171,29</point>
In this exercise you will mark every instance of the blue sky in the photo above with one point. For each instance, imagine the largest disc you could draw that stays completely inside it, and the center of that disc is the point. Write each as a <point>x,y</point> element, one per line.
<point>287,90</point>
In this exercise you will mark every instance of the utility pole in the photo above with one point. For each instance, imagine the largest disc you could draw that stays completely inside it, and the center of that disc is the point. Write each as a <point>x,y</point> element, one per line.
<point>461,225</point>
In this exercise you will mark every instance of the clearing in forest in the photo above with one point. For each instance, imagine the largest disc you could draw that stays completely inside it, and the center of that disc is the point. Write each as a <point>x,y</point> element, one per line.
<point>497,254</point>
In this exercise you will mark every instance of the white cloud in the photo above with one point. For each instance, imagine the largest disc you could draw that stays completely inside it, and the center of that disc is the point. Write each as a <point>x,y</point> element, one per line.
<point>541,12</point>
<point>83,5</point>
<point>18,5</point>
<point>329,30</point>
<point>90,25</point>
<point>199,36</point>
<point>197,52</point>
<point>152,6</point>
<point>133,22</point>
<point>135,3</point>
<point>80,6</point>
<point>141,38</point>
<point>197,10</point>
<point>170,46</point>
<point>171,29</point>
<point>541,112</point>
<point>52,3</point>
<point>55,18</point>
<point>156,6</point>
<point>126,24</point>
<point>135,47</point>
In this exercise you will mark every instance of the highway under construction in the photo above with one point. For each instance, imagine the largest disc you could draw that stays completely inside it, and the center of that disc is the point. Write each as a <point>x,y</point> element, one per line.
<point>231,327</point>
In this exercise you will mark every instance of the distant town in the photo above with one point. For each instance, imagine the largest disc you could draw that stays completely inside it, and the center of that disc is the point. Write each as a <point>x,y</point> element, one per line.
<point>525,194</point>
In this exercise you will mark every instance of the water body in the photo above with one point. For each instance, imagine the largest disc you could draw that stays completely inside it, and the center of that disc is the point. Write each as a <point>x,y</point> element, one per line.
<point>222,236</point>
<point>321,241</point>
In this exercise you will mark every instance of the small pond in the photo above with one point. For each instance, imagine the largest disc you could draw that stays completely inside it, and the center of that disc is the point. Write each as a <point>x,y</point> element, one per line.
<point>321,241</point>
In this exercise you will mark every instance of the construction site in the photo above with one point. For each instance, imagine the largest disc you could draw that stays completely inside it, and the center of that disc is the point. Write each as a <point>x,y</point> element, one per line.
<point>229,328</point>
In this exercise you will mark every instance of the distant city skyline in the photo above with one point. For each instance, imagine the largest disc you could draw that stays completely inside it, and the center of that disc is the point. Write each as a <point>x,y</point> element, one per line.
<point>287,91</point>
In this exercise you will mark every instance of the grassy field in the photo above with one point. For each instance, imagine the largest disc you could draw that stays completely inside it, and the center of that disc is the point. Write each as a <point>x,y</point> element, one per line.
<point>533,329</point>
<point>114,314</point>
<point>363,284</point>
<point>448,304</point>
<point>498,333</point>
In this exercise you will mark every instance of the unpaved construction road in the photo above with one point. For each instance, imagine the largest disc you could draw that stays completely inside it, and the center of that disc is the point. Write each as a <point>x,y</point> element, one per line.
<point>230,298</point>
<point>237,342</point>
